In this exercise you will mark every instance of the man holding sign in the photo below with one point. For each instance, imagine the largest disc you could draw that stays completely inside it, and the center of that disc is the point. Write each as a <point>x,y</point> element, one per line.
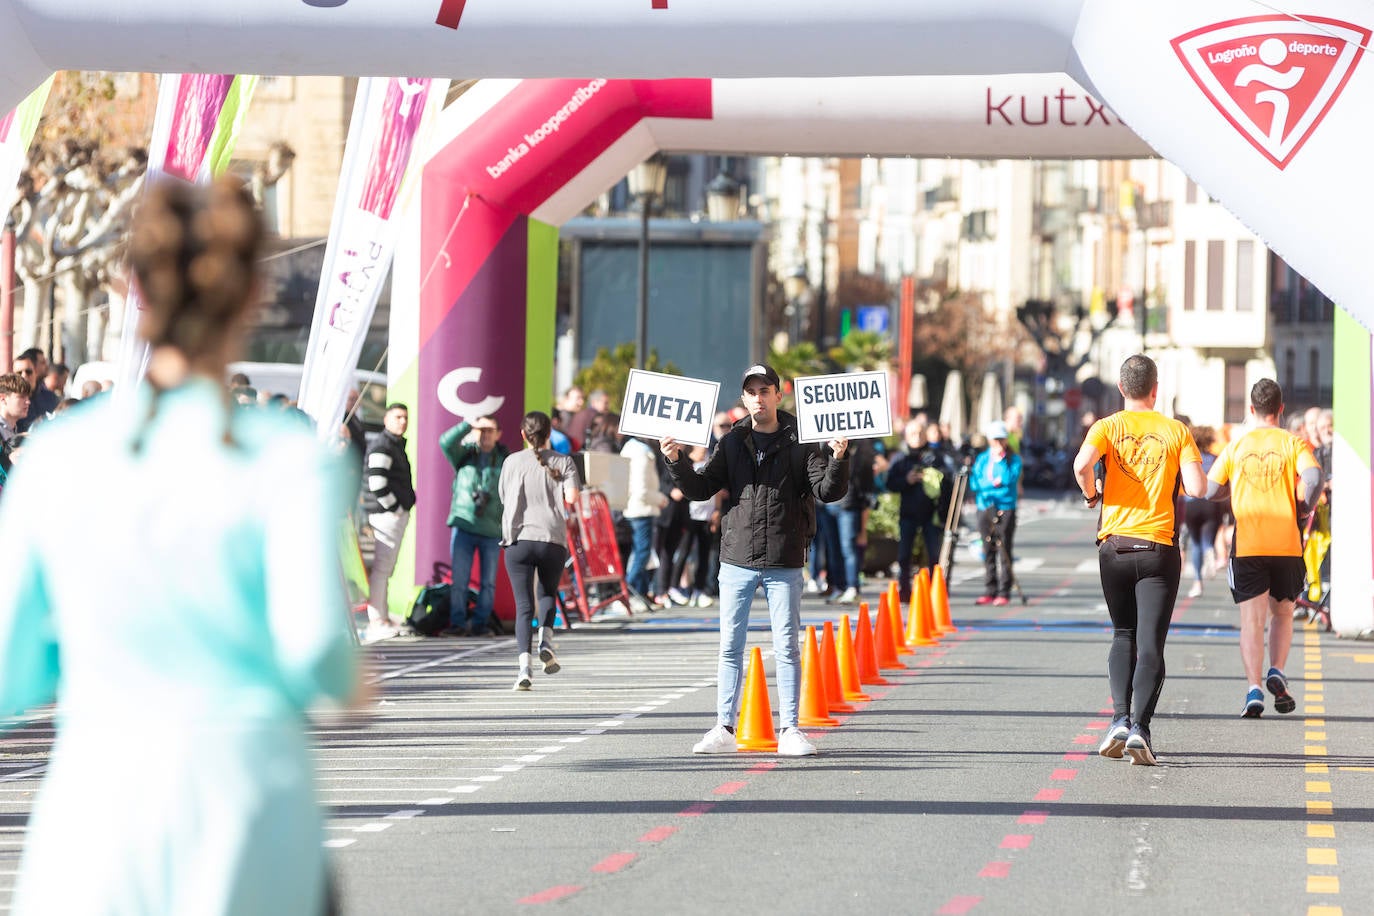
<point>772,481</point>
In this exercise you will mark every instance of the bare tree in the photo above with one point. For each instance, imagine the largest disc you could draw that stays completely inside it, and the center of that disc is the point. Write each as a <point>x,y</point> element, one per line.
<point>86,172</point>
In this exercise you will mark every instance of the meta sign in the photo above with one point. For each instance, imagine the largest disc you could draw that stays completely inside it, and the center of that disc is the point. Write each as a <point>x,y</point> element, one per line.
<point>657,406</point>
<point>853,405</point>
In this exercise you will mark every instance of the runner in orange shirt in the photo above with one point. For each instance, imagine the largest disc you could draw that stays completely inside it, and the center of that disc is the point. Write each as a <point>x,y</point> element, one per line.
<point>1262,467</point>
<point>1147,457</point>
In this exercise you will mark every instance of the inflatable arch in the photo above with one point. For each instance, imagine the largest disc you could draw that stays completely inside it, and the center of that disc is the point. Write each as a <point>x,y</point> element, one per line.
<point>1266,110</point>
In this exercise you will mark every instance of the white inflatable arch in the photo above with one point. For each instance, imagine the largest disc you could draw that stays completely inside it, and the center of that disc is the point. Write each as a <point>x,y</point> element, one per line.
<point>1266,109</point>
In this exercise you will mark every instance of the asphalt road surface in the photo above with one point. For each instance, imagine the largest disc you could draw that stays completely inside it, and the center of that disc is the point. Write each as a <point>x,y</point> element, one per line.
<point>969,784</point>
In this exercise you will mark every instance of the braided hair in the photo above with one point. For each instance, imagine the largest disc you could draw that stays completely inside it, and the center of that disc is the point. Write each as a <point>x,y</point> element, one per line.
<point>536,428</point>
<point>194,253</point>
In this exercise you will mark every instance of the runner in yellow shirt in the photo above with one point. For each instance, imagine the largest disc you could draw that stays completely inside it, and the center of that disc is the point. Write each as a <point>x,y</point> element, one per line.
<point>1263,466</point>
<point>1147,458</point>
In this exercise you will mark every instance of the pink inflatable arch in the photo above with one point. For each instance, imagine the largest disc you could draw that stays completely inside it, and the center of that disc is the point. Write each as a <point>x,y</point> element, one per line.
<point>1266,110</point>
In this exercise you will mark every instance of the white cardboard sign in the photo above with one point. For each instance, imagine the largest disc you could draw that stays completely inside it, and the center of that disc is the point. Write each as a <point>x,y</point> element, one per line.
<point>657,406</point>
<point>852,405</point>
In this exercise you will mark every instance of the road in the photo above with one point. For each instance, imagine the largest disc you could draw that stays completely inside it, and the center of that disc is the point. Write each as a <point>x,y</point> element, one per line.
<point>969,784</point>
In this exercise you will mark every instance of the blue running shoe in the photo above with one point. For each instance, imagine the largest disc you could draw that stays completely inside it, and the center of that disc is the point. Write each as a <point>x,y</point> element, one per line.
<point>1138,746</point>
<point>1254,705</point>
<point>1114,744</point>
<point>1278,686</point>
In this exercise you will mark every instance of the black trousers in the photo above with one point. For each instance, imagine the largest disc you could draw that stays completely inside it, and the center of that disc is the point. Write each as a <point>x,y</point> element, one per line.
<point>526,561</point>
<point>1140,586</point>
<point>998,527</point>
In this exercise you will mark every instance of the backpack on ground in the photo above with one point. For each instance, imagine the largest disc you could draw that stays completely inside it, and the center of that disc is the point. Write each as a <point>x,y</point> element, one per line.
<point>430,612</point>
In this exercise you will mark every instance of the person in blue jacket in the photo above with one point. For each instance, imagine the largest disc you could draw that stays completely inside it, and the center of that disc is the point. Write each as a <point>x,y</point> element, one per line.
<point>190,620</point>
<point>994,481</point>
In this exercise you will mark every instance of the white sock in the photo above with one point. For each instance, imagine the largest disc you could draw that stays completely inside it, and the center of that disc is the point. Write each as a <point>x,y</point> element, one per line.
<point>524,661</point>
<point>1254,686</point>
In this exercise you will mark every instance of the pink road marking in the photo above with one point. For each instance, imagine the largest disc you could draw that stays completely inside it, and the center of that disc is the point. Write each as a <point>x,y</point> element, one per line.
<point>995,870</point>
<point>1075,758</point>
<point>956,906</point>
<point>1084,739</point>
<point>1033,817</point>
<point>660,5</point>
<point>552,894</point>
<point>696,810</point>
<point>763,767</point>
<point>728,788</point>
<point>1095,726</point>
<point>450,13</point>
<point>1064,775</point>
<point>1049,795</point>
<point>658,835</point>
<point>1015,841</point>
<point>614,863</point>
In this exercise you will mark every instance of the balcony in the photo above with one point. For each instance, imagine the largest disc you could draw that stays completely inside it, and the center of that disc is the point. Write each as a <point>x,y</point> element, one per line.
<point>1157,214</point>
<point>979,226</point>
<point>946,192</point>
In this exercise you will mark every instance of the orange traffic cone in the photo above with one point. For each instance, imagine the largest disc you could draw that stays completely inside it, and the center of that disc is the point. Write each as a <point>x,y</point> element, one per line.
<point>813,711</point>
<point>939,599</point>
<point>853,691</point>
<point>918,627</point>
<point>883,629</point>
<point>830,666</point>
<point>754,730</point>
<point>864,651</point>
<point>894,605</point>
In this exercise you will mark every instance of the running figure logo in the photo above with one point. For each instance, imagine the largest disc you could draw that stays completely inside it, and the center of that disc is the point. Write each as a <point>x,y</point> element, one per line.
<point>1273,77</point>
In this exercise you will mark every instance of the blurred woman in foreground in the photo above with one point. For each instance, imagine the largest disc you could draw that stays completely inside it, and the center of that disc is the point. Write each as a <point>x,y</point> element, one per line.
<point>191,617</point>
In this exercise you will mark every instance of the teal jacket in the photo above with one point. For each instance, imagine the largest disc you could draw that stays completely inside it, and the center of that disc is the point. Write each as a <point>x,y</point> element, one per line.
<point>469,478</point>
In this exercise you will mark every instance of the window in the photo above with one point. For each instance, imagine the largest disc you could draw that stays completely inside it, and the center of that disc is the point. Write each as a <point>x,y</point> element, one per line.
<point>1216,261</point>
<point>1189,276</point>
<point>1190,196</point>
<point>1290,371</point>
<point>1245,276</point>
<point>1314,381</point>
<point>1235,393</point>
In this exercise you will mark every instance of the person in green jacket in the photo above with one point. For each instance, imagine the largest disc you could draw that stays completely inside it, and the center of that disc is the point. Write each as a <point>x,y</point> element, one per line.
<point>475,517</point>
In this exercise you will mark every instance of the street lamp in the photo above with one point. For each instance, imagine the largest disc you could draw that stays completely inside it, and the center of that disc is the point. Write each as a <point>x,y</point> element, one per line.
<point>722,199</point>
<point>646,183</point>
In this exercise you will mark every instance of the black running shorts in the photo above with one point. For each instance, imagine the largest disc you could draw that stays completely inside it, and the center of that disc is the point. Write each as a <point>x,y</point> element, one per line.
<point>1281,577</point>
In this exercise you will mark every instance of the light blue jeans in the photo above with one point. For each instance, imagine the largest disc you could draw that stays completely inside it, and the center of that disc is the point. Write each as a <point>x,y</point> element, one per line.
<point>783,590</point>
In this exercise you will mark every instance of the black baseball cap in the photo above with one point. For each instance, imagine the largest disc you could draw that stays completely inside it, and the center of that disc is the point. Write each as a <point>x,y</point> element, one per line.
<point>764,372</point>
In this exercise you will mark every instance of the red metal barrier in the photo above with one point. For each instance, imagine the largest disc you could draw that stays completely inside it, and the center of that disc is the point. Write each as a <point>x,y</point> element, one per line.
<point>595,558</point>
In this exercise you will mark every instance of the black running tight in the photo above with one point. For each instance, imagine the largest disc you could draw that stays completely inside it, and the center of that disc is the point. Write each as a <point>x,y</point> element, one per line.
<point>1140,587</point>
<point>526,560</point>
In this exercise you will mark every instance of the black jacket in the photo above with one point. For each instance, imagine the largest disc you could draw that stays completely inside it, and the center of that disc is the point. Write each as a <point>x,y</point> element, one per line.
<point>763,517</point>
<point>916,502</point>
<point>389,486</point>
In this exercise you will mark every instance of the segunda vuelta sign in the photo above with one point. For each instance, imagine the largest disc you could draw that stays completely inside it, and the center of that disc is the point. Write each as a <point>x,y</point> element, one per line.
<point>851,405</point>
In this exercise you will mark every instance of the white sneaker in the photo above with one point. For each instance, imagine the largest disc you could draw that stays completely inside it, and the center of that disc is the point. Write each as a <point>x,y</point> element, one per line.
<point>701,599</point>
<point>523,681</point>
<point>792,743</point>
<point>718,740</point>
<point>1196,590</point>
<point>848,596</point>
<point>812,587</point>
<point>678,596</point>
<point>378,630</point>
<point>549,660</point>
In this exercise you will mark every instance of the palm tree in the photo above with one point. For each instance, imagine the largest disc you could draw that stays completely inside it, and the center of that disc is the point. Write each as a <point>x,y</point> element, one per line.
<point>865,350</point>
<point>794,362</point>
